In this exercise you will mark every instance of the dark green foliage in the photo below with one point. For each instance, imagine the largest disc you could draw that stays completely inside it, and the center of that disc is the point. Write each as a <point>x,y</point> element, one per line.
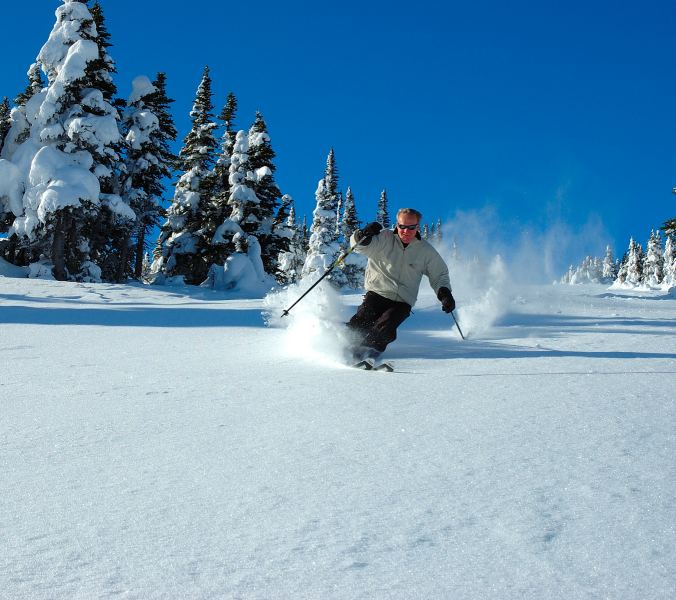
<point>185,241</point>
<point>147,168</point>
<point>35,85</point>
<point>383,214</point>
<point>261,157</point>
<point>5,122</point>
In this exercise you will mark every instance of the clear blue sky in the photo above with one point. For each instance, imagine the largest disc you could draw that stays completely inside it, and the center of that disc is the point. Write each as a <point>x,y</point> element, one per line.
<point>539,113</point>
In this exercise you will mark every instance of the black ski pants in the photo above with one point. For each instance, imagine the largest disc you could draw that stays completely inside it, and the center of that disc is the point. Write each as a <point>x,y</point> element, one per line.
<point>377,319</point>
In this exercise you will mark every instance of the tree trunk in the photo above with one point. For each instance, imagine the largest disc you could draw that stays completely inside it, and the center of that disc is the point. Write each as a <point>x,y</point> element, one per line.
<point>59,246</point>
<point>140,246</point>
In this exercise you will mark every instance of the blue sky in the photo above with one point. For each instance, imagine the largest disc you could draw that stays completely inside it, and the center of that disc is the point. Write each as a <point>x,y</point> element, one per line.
<point>530,117</point>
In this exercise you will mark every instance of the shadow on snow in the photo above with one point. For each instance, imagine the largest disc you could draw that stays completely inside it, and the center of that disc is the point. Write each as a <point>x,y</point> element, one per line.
<point>126,316</point>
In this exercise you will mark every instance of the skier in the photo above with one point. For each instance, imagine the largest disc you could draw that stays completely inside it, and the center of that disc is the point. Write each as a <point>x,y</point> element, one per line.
<point>397,260</point>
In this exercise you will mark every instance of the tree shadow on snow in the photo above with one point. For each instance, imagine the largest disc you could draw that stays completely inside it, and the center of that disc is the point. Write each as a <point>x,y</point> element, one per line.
<point>445,343</point>
<point>133,316</point>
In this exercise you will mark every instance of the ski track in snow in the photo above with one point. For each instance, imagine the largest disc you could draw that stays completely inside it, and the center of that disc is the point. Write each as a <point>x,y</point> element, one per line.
<point>164,443</point>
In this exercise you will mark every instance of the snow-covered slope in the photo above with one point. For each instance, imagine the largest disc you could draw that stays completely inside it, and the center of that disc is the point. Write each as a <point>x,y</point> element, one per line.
<point>165,443</point>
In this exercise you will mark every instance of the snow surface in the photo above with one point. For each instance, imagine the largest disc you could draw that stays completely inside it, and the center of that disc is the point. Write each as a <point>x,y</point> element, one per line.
<point>164,443</point>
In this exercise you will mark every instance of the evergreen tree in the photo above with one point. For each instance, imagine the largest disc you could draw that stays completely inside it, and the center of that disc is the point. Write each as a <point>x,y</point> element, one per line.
<point>350,222</point>
<point>77,130</point>
<point>5,121</point>
<point>218,209</point>
<point>440,236</point>
<point>653,261</point>
<point>291,261</point>
<point>17,125</point>
<point>609,269</point>
<point>669,226</point>
<point>568,277</point>
<point>425,233</point>
<point>669,258</point>
<point>35,85</point>
<point>266,211</point>
<point>355,264</point>
<point>634,263</point>
<point>110,230</point>
<point>148,128</point>
<point>185,244</point>
<point>383,214</point>
<point>324,248</point>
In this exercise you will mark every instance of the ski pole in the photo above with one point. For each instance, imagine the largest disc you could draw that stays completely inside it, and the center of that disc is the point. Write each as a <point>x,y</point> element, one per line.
<point>333,266</point>
<point>458,326</point>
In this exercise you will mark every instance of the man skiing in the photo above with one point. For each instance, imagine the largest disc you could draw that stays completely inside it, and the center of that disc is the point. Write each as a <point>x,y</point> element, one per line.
<point>397,260</point>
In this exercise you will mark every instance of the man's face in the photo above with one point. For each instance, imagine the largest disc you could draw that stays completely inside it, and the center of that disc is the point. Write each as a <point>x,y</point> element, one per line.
<point>407,235</point>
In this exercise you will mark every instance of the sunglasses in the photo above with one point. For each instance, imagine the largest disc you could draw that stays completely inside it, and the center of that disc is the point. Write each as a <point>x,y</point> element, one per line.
<point>407,227</point>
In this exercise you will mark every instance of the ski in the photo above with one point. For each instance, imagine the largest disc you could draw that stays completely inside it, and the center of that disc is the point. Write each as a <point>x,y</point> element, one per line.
<point>384,366</point>
<point>370,365</point>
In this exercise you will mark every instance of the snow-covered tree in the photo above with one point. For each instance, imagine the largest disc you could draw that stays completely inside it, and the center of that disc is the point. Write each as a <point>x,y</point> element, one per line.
<point>35,85</point>
<point>261,157</point>
<point>290,262</point>
<point>383,212</point>
<point>111,229</point>
<point>6,215</point>
<point>69,157</point>
<point>324,247</point>
<point>631,269</point>
<point>439,238</point>
<point>653,261</point>
<point>217,209</point>
<point>609,269</point>
<point>355,264</point>
<point>669,258</point>
<point>183,239</point>
<point>5,121</point>
<point>148,129</point>
<point>568,276</point>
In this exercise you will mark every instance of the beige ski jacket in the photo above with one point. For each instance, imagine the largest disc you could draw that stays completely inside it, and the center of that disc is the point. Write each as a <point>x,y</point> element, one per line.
<point>394,271</point>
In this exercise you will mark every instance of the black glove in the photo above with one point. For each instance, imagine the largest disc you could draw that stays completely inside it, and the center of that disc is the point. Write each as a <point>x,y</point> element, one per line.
<point>371,229</point>
<point>447,300</point>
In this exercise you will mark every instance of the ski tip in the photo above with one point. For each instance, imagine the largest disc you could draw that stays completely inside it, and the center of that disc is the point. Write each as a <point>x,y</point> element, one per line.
<point>385,367</point>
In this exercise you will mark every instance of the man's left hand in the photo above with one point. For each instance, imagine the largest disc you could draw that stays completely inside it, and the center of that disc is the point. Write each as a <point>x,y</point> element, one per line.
<point>447,300</point>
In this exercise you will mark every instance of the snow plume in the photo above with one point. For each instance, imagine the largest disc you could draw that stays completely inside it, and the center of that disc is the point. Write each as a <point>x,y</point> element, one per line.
<point>531,253</point>
<point>490,260</point>
<point>315,328</point>
<point>482,292</point>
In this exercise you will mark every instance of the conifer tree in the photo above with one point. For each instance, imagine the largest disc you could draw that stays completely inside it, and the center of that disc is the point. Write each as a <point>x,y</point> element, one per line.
<point>77,129</point>
<point>383,213</point>
<point>18,127</point>
<point>440,236</point>
<point>634,263</point>
<point>609,269</point>
<point>323,247</point>
<point>35,85</point>
<point>669,259</point>
<point>291,261</point>
<point>111,229</point>
<point>148,128</point>
<point>350,222</point>
<point>266,211</point>
<point>184,242</point>
<point>354,264</point>
<point>5,121</point>
<point>218,209</point>
<point>653,261</point>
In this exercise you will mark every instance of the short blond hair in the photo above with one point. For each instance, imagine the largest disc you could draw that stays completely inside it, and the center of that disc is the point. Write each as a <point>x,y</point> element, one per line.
<point>410,211</point>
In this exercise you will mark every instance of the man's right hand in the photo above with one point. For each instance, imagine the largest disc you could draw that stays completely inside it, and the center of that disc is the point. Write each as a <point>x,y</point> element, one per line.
<point>371,229</point>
